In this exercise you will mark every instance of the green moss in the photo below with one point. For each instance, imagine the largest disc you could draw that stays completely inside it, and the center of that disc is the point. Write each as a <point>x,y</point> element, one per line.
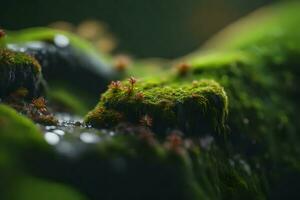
<point>29,188</point>
<point>135,163</point>
<point>17,131</point>
<point>251,87</point>
<point>19,139</point>
<point>265,26</point>
<point>260,74</point>
<point>18,70</point>
<point>198,107</point>
<point>257,66</point>
<point>260,79</point>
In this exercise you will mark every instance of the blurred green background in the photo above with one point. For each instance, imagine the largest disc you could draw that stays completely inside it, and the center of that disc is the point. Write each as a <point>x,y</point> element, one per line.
<point>144,28</point>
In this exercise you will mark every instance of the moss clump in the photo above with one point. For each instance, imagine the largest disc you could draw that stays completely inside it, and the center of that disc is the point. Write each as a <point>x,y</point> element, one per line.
<point>196,108</point>
<point>18,70</point>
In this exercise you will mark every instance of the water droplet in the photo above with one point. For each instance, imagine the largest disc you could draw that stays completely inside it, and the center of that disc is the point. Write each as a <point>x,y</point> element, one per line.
<point>231,162</point>
<point>51,138</point>
<point>206,142</point>
<point>246,121</point>
<point>111,133</point>
<point>50,127</point>
<point>35,45</point>
<point>89,138</point>
<point>61,41</point>
<point>58,132</point>
<point>245,166</point>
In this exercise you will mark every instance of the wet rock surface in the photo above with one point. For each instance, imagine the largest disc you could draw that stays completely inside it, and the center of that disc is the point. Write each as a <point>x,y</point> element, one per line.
<point>64,63</point>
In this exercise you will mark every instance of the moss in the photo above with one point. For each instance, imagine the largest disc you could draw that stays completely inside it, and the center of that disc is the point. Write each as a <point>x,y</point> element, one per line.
<point>29,188</point>
<point>251,87</point>
<point>17,129</point>
<point>21,144</point>
<point>196,108</point>
<point>260,73</point>
<point>135,163</point>
<point>258,67</point>
<point>18,70</point>
<point>266,26</point>
<point>260,79</point>
<point>101,117</point>
<point>18,138</point>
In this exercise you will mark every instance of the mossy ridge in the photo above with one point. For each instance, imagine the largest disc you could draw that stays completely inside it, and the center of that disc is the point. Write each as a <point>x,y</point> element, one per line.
<point>261,81</point>
<point>196,108</point>
<point>132,159</point>
<point>268,25</point>
<point>18,70</point>
<point>183,169</point>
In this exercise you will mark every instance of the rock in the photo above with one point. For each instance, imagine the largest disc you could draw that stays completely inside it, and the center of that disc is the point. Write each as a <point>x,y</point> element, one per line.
<point>18,70</point>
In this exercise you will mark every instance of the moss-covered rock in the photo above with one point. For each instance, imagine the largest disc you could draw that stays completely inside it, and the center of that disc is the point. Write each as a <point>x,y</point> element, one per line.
<point>258,67</point>
<point>18,70</point>
<point>64,57</point>
<point>134,164</point>
<point>260,74</point>
<point>196,108</point>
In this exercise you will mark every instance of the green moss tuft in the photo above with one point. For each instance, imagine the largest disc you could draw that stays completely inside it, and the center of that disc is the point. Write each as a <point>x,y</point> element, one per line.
<point>196,108</point>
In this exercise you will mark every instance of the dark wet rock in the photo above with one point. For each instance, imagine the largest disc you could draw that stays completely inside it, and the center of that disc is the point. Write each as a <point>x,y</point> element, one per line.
<point>19,71</point>
<point>65,63</point>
